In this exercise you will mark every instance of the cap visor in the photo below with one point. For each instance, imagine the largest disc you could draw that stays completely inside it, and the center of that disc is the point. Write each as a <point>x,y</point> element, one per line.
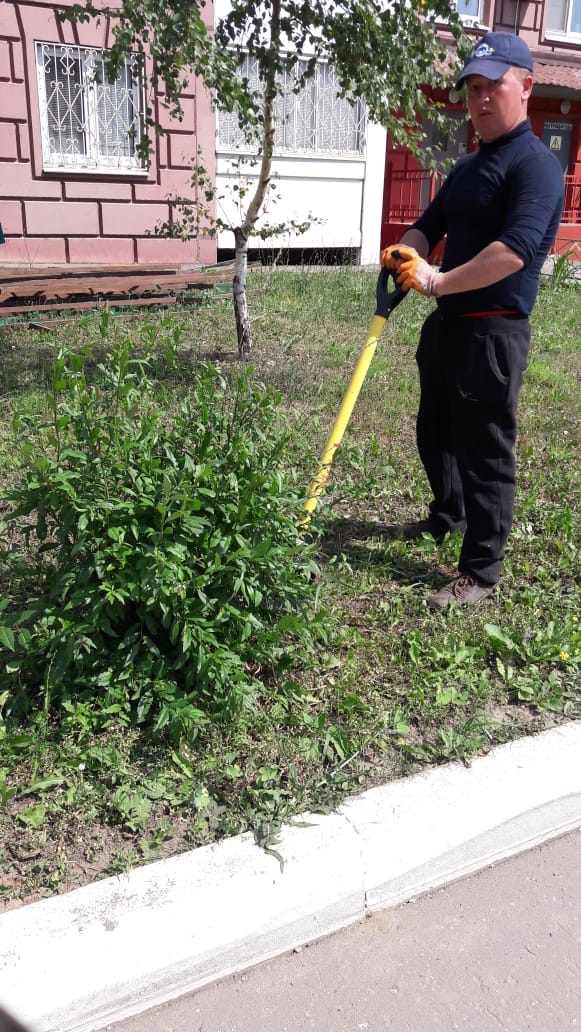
<point>483,66</point>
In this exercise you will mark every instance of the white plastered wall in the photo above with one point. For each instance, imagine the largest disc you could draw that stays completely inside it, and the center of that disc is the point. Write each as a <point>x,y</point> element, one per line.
<point>343,193</point>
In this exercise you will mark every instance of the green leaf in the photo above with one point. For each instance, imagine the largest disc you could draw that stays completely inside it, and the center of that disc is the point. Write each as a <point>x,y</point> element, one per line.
<point>186,639</point>
<point>7,638</point>
<point>42,784</point>
<point>498,637</point>
<point>33,817</point>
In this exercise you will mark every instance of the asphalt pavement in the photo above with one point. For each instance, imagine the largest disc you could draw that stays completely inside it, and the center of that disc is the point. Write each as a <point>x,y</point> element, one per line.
<point>499,951</point>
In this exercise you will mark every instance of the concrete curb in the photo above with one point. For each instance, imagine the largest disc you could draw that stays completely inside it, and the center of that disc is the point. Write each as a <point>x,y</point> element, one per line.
<point>76,962</point>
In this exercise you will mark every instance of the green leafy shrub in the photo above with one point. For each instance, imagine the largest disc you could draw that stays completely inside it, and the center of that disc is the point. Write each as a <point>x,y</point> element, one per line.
<point>163,547</point>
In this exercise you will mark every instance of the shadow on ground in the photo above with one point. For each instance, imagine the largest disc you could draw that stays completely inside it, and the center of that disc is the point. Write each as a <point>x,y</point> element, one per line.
<point>370,542</point>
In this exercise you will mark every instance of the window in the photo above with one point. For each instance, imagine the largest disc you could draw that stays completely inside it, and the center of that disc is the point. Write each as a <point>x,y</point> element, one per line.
<point>314,120</point>
<point>468,8</point>
<point>87,123</point>
<point>469,12</point>
<point>564,16</point>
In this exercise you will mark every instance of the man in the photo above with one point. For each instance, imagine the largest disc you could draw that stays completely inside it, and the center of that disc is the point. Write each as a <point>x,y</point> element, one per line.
<point>499,209</point>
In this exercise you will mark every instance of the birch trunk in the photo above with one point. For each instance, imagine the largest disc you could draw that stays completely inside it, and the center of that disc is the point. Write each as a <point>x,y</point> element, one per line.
<point>243,327</point>
<point>242,233</point>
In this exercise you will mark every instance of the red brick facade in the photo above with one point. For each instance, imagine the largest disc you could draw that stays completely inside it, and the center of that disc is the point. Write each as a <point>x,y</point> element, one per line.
<point>86,217</point>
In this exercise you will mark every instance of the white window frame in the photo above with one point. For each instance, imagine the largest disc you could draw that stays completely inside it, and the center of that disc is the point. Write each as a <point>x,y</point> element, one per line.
<point>306,139</point>
<point>469,21</point>
<point>469,18</point>
<point>97,158</point>
<point>563,34</point>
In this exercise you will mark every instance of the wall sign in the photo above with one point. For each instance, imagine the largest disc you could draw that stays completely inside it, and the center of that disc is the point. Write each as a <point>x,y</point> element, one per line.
<point>557,137</point>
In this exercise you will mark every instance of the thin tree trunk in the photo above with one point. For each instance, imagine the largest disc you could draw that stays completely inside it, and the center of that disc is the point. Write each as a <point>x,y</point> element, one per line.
<point>243,327</point>
<point>242,233</point>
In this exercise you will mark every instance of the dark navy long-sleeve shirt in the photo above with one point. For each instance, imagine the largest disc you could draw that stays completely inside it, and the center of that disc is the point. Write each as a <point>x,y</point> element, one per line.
<point>509,190</point>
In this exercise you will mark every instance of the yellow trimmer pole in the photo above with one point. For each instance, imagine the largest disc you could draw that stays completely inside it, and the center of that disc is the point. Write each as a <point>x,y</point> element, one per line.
<point>343,417</point>
<point>385,305</point>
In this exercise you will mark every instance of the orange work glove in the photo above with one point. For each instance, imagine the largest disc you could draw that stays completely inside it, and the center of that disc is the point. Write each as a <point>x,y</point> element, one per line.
<point>416,273</point>
<point>392,255</point>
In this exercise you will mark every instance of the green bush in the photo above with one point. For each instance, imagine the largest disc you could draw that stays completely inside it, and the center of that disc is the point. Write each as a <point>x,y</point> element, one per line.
<point>163,547</point>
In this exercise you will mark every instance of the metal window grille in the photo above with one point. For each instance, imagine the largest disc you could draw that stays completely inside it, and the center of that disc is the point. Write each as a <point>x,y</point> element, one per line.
<point>88,123</point>
<point>312,119</point>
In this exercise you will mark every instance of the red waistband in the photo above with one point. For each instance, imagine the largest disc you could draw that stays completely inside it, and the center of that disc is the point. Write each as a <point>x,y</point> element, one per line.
<point>486,315</point>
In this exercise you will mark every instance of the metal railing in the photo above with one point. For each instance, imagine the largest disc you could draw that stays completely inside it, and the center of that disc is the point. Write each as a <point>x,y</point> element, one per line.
<point>572,205</point>
<point>410,191</point>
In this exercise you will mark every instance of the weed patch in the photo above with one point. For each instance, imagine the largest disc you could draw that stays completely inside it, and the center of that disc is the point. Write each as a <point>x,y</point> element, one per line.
<point>178,663</point>
<point>164,550</point>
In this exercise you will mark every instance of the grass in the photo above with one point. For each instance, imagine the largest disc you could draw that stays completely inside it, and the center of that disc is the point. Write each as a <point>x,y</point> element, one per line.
<point>392,686</point>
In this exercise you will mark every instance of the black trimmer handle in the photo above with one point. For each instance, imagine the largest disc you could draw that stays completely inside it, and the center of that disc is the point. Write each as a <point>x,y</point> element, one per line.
<point>386,301</point>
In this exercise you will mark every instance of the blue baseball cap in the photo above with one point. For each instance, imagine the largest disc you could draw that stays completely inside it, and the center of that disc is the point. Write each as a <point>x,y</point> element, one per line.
<point>494,54</point>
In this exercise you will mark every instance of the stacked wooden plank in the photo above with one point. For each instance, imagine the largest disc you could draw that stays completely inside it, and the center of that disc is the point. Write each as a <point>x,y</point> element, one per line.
<point>30,292</point>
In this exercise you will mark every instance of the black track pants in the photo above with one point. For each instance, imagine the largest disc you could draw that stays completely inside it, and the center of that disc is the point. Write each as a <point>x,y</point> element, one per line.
<point>470,375</point>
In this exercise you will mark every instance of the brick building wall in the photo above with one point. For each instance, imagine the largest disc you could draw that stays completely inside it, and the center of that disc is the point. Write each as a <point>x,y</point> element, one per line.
<point>87,216</point>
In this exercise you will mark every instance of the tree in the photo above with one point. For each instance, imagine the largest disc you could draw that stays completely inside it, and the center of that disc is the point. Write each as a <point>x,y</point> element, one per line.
<point>385,52</point>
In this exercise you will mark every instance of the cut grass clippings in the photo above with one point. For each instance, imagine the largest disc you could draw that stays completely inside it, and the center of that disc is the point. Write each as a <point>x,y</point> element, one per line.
<point>389,686</point>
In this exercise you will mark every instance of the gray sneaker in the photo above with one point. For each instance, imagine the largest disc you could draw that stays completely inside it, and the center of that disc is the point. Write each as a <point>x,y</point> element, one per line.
<point>463,590</point>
